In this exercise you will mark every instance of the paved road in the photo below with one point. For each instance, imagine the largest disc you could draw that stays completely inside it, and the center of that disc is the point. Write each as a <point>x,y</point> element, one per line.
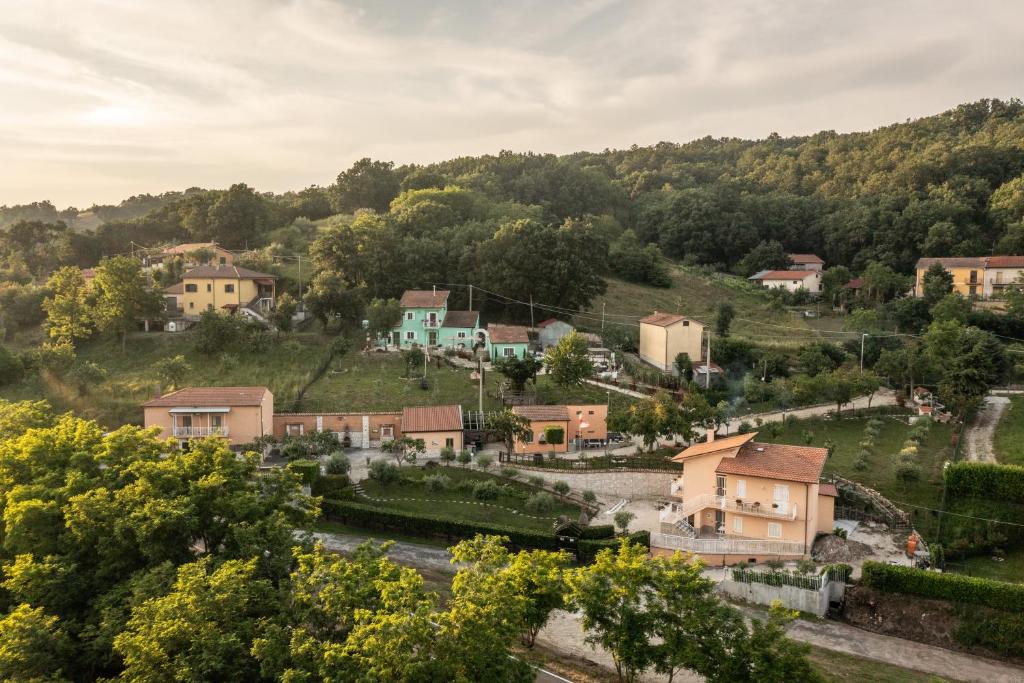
<point>978,435</point>
<point>882,397</point>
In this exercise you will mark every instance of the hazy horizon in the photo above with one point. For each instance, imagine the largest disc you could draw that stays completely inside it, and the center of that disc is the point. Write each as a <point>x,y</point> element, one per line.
<point>109,99</point>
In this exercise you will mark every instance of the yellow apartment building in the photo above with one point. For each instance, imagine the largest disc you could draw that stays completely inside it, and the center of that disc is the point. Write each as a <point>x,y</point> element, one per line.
<point>663,336</point>
<point>228,288</point>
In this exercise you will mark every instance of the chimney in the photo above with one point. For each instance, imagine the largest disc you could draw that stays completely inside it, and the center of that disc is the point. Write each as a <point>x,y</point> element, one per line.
<point>435,289</point>
<point>711,434</point>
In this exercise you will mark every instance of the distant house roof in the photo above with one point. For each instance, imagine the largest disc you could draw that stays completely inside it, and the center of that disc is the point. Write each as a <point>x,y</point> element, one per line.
<point>724,444</point>
<point>953,262</point>
<point>424,298</point>
<point>508,334</point>
<point>550,321</point>
<point>701,367</point>
<point>210,396</point>
<point>175,289</point>
<point>551,413</point>
<point>227,273</point>
<point>88,273</point>
<point>662,319</point>
<point>828,490</point>
<point>1006,261</point>
<point>855,283</point>
<point>192,246</point>
<point>432,419</point>
<point>776,461</point>
<point>461,319</point>
<point>804,259</point>
<point>782,274</point>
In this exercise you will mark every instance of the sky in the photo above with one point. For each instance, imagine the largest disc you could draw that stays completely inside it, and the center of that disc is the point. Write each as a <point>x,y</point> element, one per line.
<point>102,100</point>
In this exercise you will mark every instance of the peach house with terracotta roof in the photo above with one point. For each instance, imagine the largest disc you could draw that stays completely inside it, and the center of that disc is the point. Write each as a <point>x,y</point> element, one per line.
<point>663,336</point>
<point>438,426</point>
<point>238,414</point>
<point>790,280</point>
<point>739,500</point>
<point>583,421</point>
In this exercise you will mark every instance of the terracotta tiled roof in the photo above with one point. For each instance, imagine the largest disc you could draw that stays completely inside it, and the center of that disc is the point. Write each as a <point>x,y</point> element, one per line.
<point>192,246</point>
<point>461,319</point>
<point>424,298</point>
<point>828,490</point>
<point>88,273</point>
<point>227,273</point>
<point>776,461</point>
<point>210,396</point>
<point>175,289</point>
<point>728,443</point>
<point>508,334</point>
<point>432,419</point>
<point>662,319</point>
<point>953,262</point>
<point>855,283</point>
<point>560,413</point>
<point>1006,261</point>
<point>783,275</point>
<point>805,258</point>
<point>544,323</point>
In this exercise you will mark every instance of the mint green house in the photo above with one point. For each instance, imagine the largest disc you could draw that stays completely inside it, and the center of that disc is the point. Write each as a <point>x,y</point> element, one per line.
<point>458,330</point>
<point>505,341</point>
<point>423,312</point>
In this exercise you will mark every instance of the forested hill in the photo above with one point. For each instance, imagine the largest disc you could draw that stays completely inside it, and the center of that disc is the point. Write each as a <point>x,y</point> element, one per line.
<point>949,184</point>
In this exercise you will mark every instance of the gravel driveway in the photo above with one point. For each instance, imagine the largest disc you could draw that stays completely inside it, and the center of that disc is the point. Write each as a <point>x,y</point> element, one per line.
<point>978,436</point>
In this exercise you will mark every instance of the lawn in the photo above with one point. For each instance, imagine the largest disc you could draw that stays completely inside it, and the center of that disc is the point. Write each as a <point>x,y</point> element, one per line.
<point>1008,442</point>
<point>847,434</point>
<point>410,495</point>
<point>1011,568</point>
<point>839,667</point>
<point>130,381</point>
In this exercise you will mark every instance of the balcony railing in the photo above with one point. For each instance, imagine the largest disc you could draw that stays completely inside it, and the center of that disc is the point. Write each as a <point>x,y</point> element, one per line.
<point>726,546</point>
<point>431,324</point>
<point>198,432</point>
<point>676,490</point>
<point>697,503</point>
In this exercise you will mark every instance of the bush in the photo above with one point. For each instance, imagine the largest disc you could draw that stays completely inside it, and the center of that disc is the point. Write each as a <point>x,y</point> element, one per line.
<point>338,464</point>
<point>586,550</point>
<point>436,483</point>
<point>561,487</point>
<point>486,490</point>
<point>985,480</point>
<point>384,472</point>
<point>509,472</point>
<point>775,565</point>
<point>309,470</point>
<point>953,587</point>
<point>536,480</point>
<point>464,457</point>
<point>11,368</point>
<point>598,531</point>
<point>840,532</point>
<point>554,435</point>
<point>335,486</point>
<point>589,496</point>
<point>447,455</point>
<point>540,502</point>
<point>484,461</point>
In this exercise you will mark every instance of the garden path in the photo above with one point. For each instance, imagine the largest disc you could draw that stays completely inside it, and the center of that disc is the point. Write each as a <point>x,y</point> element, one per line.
<point>978,435</point>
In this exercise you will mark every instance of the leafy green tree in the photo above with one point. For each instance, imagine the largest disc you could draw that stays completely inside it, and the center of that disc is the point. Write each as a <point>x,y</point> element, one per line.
<point>724,315</point>
<point>833,283</point>
<point>11,367</point>
<point>622,520</point>
<point>404,449</point>
<point>284,309</point>
<point>684,366</point>
<point>882,283</point>
<point>123,297</point>
<point>508,427</point>
<point>171,371</point>
<point>69,314</point>
<point>330,298</point>
<point>635,262</point>
<point>236,216</point>
<point>951,307</point>
<point>652,419</point>
<point>413,358</point>
<point>519,371</point>
<point>85,375</point>
<point>368,184</point>
<point>382,316</point>
<point>568,362</point>
<point>937,283</point>
<point>769,255</point>
<point>33,647</point>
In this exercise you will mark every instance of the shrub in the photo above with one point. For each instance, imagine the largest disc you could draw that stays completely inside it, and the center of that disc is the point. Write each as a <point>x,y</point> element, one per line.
<point>908,472</point>
<point>11,367</point>
<point>953,587</point>
<point>338,463</point>
<point>806,566</point>
<point>840,532</point>
<point>484,461</point>
<point>464,457</point>
<point>540,502</point>
<point>598,531</point>
<point>335,486</point>
<point>384,472</point>
<point>554,435</point>
<point>447,455</point>
<point>561,487</point>
<point>437,482</point>
<point>536,480</point>
<point>622,519</point>
<point>486,490</point>
<point>589,496</point>
<point>775,565</point>
<point>985,480</point>
<point>309,470</point>
<point>509,472</point>
<point>56,357</point>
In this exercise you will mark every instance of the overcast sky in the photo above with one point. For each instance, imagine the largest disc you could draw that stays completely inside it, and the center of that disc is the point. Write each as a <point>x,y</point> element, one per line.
<point>100,100</point>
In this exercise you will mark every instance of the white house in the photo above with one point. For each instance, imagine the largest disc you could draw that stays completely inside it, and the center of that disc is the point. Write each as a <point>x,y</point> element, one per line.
<point>805,262</point>
<point>791,280</point>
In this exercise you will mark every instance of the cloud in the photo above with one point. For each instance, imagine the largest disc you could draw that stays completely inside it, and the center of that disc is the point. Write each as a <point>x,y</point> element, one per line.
<point>105,99</point>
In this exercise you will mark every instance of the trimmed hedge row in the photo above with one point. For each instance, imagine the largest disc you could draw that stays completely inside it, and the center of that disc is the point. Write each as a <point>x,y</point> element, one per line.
<point>953,587</point>
<point>587,550</point>
<point>597,531</point>
<point>309,470</point>
<point>986,480</point>
<point>333,486</point>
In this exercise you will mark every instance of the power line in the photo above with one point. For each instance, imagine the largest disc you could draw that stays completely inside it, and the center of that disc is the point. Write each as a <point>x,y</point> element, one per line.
<point>959,514</point>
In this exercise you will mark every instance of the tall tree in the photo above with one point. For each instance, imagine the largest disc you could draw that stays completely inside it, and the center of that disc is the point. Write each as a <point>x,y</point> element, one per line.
<point>69,314</point>
<point>508,427</point>
<point>368,184</point>
<point>123,297</point>
<point>724,314</point>
<point>937,283</point>
<point>568,362</point>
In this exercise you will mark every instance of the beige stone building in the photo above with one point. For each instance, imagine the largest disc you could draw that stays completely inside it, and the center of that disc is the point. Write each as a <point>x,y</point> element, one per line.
<point>358,430</point>
<point>237,414</point>
<point>663,336</point>
<point>740,500</point>
<point>438,426</point>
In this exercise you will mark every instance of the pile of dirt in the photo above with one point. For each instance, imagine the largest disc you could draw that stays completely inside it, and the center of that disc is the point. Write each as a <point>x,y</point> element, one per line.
<point>831,548</point>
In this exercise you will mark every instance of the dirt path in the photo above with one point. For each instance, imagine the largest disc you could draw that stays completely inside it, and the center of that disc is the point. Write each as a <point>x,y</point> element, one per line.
<point>409,554</point>
<point>978,436</point>
<point>882,397</point>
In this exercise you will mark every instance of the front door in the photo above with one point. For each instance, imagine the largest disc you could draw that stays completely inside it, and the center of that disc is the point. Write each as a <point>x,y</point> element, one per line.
<point>432,337</point>
<point>719,521</point>
<point>396,338</point>
<point>781,498</point>
<point>719,484</point>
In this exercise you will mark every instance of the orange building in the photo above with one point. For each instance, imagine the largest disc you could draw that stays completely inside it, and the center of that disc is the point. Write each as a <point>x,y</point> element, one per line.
<point>358,430</point>
<point>238,414</point>
<point>438,426</point>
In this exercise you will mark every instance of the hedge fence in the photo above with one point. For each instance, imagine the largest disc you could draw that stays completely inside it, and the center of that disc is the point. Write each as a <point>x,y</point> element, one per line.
<point>985,480</point>
<point>369,517</point>
<point>952,587</point>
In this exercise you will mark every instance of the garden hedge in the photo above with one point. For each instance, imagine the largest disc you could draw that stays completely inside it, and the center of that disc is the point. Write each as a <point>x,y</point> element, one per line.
<point>309,470</point>
<point>598,531</point>
<point>985,480</point>
<point>587,550</point>
<point>333,486</point>
<point>953,587</point>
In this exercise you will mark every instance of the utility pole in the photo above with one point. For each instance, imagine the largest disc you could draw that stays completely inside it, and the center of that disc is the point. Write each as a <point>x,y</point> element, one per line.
<point>531,310</point>
<point>707,368</point>
<point>471,297</point>
<point>603,304</point>
<point>480,371</point>
<point>862,338</point>
<point>300,279</point>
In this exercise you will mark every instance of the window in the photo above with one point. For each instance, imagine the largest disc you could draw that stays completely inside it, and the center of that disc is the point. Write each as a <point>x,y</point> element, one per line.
<point>449,443</point>
<point>590,412</point>
<point>223,261</point>
<point>461,335</point>
<point>410,336</point>
<point>229,289</point>
<point>737,524</point>
<point>686,323</point>
<point>209,287</point>
<point>529,436</point>
<point>192,288</point>
<point>508,352</point>
<point>191,304</point>
<point>719,484</point>
<point>741,488</point>
<point>410,315</point>
<point>294,429</point>
<point>774,530</point>
<point>387,431</point>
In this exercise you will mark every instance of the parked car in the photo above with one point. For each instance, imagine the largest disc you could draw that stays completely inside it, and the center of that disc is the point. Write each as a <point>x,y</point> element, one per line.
<point>593,443</point>
<point>615,437</point>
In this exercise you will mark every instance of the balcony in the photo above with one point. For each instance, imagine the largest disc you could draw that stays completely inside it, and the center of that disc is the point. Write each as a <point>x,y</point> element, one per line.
<point>431,324</point>
<point>695,504</point>
<point>726,546</point>
<point>198,432</point>
<point>676,490</point>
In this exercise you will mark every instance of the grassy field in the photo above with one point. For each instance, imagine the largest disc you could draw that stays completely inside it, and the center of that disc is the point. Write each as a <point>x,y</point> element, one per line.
<point>839,667</point>
<point>697,295</point>
<point>1011,568</point>
<point>130,381</point>
<point>413,496</point>
<point>880,475</point>
<point>1008,442</point>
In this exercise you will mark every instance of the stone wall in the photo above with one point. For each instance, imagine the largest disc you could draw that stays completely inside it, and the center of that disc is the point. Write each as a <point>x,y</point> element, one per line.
<point>629,485</point>
<point>810,601</point>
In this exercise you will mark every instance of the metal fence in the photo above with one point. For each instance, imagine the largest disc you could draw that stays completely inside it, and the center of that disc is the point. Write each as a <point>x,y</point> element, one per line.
<point>591,462</point>
<point>812,582</point>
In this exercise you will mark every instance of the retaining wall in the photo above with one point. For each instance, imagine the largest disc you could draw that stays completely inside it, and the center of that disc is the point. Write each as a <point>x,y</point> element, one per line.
<point>803,599</point>
<point>609,482</point>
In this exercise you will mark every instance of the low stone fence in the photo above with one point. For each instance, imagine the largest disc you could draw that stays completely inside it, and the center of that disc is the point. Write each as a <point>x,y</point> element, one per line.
<point>649,484</point>
<point>810,599</point>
